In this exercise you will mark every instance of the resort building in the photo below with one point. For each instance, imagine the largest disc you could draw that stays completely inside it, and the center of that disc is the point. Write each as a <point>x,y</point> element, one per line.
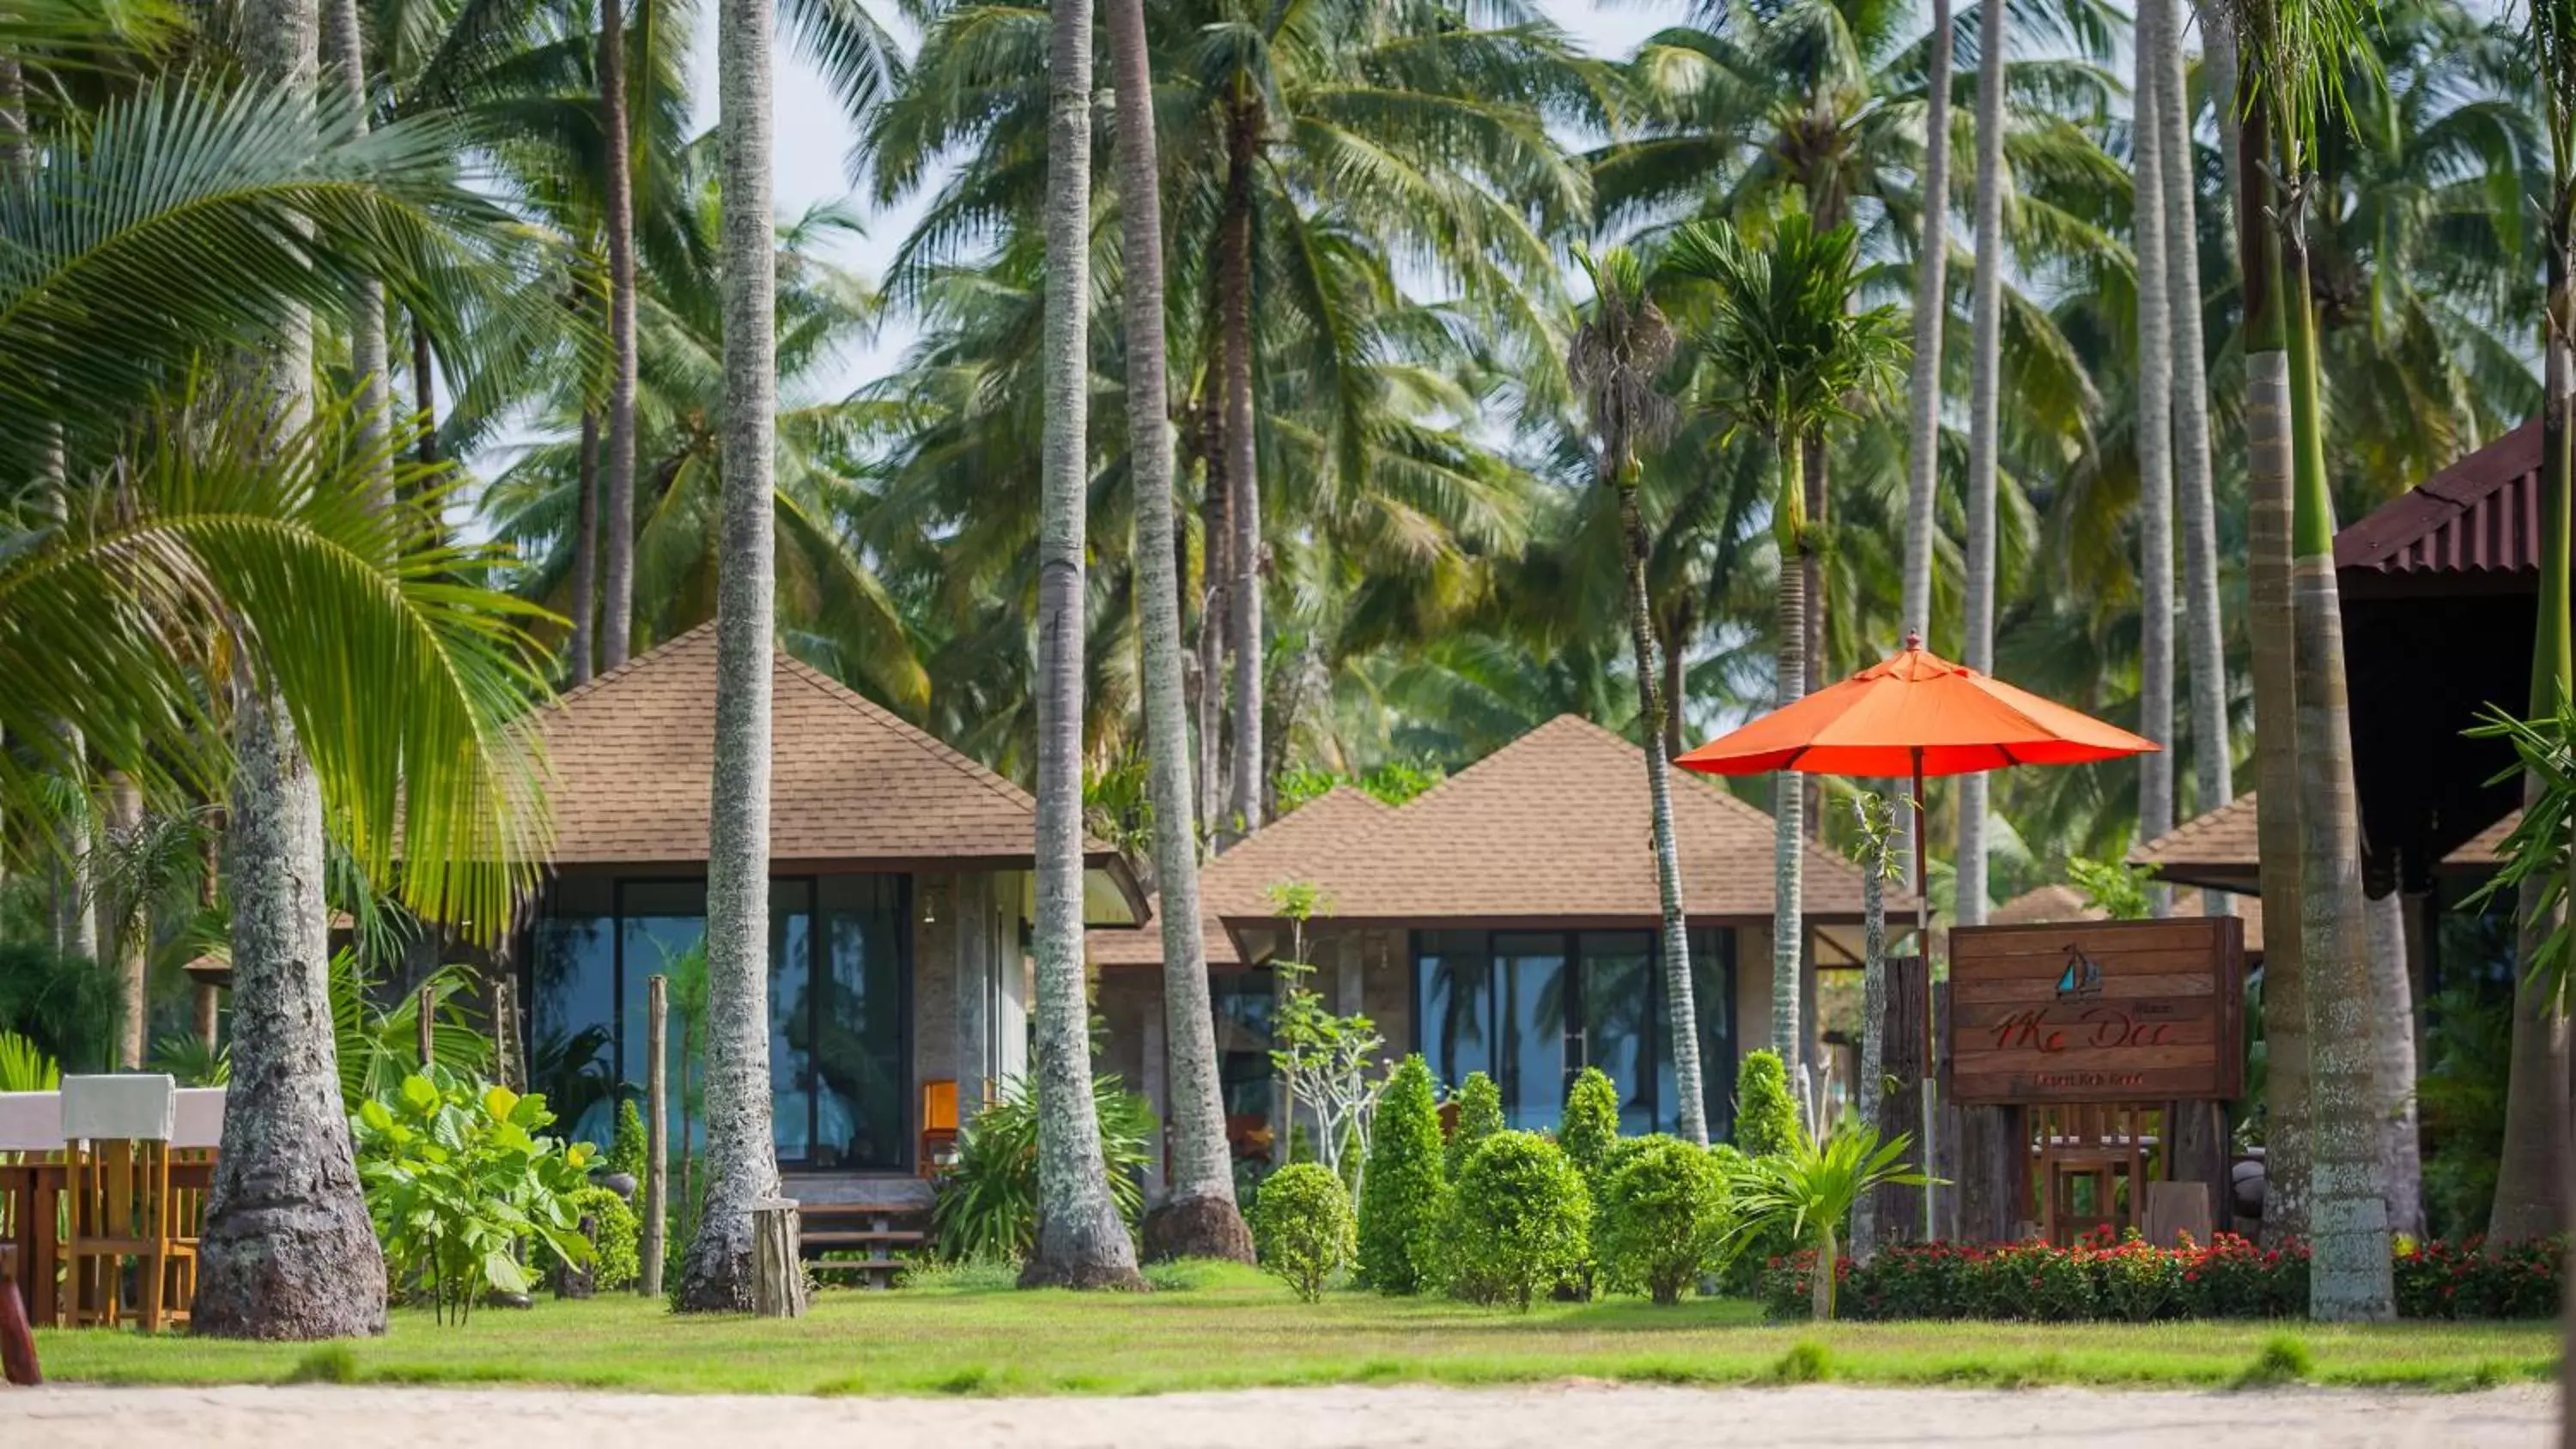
<point>1505,921</point>
<point>899,895</point>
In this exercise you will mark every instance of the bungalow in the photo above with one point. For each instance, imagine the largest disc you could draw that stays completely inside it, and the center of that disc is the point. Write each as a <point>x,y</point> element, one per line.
<point>899,900</point>
<point>1505,921</point>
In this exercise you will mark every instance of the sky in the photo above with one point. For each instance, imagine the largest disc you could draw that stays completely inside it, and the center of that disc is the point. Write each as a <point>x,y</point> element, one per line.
<point>813,139</point>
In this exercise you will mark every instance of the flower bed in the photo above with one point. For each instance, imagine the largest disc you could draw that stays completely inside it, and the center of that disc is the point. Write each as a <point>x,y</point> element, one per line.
<point>2135,1282</point>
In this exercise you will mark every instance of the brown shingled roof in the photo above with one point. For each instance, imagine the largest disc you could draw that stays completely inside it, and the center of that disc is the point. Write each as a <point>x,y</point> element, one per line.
<point>1553,826</point>
<point>632,754</point>
<point>2481,515</point>
<point>2221,848</point>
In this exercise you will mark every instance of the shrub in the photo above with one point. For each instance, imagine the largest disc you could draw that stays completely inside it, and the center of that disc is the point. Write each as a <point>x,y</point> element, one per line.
<point>1766,1116</point>
<point>1521,1219</point>
<point>626,1150</point>
<point>1302,1226</point>
<point>1590,1124</point>
<point>1405,1193</point>
<point>987,1205</point>
<point>2472,1280</point>
<point>1663,1216</point>
<point>457,1178</point>
<point>1480,1115</point>
<point>616,1235</point>
<point>2137,1282</point>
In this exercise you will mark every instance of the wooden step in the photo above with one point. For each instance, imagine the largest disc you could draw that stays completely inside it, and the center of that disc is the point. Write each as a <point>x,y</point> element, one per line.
<point>854,1238</point>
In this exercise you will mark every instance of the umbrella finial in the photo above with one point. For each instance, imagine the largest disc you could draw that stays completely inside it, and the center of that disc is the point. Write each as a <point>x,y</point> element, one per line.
<point>1913,640</point>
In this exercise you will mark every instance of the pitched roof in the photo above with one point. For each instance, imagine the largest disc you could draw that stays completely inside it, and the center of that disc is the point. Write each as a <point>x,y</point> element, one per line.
<point>2222,848</point>
<point>2054,904</point>
<point>2481,515</point>
<point>632,754</point>
<point>1553,826</point>
<point>1144,945</point>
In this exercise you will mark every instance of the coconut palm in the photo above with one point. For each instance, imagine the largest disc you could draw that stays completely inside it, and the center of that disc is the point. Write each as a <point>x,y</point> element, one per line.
<point>2531,1199</point>
<point>742,1159</point>
<point>1619,355</point>
<point>1198,1218</point>
<point>2346,1214</point>
<point>1785,356</point>
<point>2154,428</point>
<point>1985,322</point>
<point>1931,309</point>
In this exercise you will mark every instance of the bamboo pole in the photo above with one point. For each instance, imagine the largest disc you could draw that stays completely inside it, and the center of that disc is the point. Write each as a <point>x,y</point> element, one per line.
<point>657,1146</point>
<point>427,1024</point>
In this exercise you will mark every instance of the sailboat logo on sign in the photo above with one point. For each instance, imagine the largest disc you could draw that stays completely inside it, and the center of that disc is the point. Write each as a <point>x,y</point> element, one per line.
<point>2082,978</point>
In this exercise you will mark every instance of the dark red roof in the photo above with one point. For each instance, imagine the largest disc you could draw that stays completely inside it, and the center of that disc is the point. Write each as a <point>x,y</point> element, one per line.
<point>2481,515</point>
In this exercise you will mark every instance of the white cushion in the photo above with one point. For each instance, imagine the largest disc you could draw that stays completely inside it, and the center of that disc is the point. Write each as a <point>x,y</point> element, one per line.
<point>31,1121</point>
<point>139,1107</point>
<point>201,1118</point>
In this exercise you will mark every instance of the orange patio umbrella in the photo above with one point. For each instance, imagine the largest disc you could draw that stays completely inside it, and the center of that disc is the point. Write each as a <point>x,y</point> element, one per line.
<point>1912,715</point>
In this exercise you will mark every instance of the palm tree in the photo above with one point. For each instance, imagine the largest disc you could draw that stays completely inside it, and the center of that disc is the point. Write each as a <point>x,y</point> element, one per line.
<point>1931,309</point>
<point>617,222</point>
<point>742,1160</point>
<point>1616,361</point>
<point>1619,355</point>
<point>1198,1218</point>
<point>2204,628</point>
<point>2532,1198</point>
<point>2154,430</point>
<point>1785,356</point>
<point>1081,1241</point>
<point>1985,320</point>
<point>2347,1214</point>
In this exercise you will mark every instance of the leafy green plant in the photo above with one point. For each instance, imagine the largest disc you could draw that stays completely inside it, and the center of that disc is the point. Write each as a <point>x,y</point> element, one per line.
<point>67,1005</point>
<point>24,1067</point>
<point>1811,1189</point>
<point>1302,1227</point>
<point>457,1178</point>
<point>1663,1217</point>
<point>1404,1194</point>
<point>1323,1062</point>
<point>987,1205</point>
<point>195,1064</point>
<point>616,1237</point>
<point>1480,1116</point>
<point>379,1047</point>
<point>1521,1220</point>
<point>1589,1132</point>
<point>2114,887</point>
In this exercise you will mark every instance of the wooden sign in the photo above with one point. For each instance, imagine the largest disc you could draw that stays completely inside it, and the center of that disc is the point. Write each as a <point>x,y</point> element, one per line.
<point>2098,1011</point>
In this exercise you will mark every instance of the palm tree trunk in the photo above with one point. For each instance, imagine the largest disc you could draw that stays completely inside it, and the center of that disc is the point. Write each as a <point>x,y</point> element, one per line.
<point>1681,1014</point>
<point>1213,572</point>
<point>1788,859</point>
<point>1931,308</point>
<point>2154,438</point>
<point>2531,1198</point>
<point>2204,626</point>
<point>2269,619</point>
<point>585,552</point>
<point>1986,323</point>
<point>344,43</point>
<point>1198,1218</point>
<point>424,393</point>
<point>1811,562</point>
<point>2218,76</point>
<point>1080,1241</point>
<point>123,930</point>
<point>2350,1276</point>
<point>617,592</point>
<point>286,1251</point>
<point>2401,1162</point>
<point>1672,644</point>
<point>1820,1288</point>
<point>742,1159</point>
<point>1242,472</point>
<point>1866,1089</point>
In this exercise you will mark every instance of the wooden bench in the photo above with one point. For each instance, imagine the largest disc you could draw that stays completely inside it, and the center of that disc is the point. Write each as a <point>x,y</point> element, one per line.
<point>872,1228</point>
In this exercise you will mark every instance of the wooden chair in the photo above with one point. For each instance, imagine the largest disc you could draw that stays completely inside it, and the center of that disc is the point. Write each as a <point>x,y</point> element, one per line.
<point>938,1126</point>
<point>2105,1147</point>
<point>123,1209</point>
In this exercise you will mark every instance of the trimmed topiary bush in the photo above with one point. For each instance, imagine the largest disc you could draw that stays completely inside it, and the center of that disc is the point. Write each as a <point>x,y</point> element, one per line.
<point>1405,1194</point>
<point>615,1237</point>
<point>1766,1116</point>
<point>1521,1220</point>
<point>1590,1123</point>
<point>1663,1218</point>
<point>1301,1225</point>
<point>1480,1115</point>
<point>626,1149</point>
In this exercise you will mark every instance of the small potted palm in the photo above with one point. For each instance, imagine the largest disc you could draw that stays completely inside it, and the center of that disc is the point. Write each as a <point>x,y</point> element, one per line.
<point>1814,1183</point>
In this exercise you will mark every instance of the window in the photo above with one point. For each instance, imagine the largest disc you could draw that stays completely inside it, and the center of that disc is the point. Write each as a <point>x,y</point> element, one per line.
<point>1532,1008</point>
<point>839,1059</point>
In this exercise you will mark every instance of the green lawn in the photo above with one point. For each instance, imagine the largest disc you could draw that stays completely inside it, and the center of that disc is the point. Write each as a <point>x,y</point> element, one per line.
<point>1227,1328</point>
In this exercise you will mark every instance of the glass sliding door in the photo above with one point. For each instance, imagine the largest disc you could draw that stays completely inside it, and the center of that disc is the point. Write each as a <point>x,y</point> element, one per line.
<point>791,1018</point>
<point>1531,1008</point>
<point>572,1006</point>
<point>863,1070</point>
<point>662,931</point>
<point>1536,1006</point>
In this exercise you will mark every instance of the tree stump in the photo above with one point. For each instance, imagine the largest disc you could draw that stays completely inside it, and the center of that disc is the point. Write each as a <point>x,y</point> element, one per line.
<point>581,1280</point>
<point>778,1270</point>
<point>17,1341</point>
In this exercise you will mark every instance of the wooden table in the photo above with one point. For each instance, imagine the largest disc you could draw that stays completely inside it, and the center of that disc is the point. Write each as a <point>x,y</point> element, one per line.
<point>34,1192</point>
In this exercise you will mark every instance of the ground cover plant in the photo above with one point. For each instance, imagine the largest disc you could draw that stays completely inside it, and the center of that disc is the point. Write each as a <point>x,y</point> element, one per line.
<point>1221,1326</point>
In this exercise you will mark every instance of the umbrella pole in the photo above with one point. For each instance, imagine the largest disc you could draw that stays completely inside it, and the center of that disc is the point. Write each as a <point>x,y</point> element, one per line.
<point>1923,948</point>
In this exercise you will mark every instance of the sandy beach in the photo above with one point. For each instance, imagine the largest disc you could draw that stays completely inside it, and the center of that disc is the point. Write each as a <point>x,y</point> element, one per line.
<point>1417,1417</point>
